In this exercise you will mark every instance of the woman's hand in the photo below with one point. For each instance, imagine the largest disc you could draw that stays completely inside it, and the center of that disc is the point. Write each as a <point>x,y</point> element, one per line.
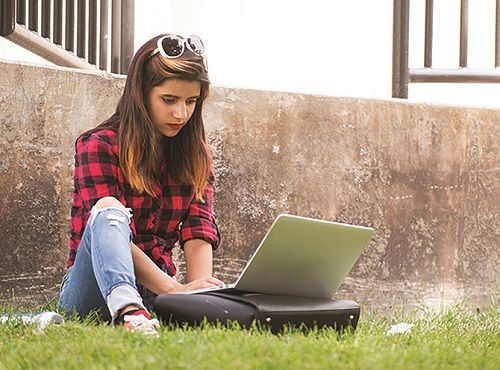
<point>203,283</point>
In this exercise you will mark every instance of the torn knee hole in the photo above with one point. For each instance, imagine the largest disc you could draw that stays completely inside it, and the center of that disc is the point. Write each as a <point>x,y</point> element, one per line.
<point>114,220</point>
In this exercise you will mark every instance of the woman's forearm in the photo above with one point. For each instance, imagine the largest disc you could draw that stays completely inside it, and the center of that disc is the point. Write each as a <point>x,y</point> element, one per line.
<point>199,271</point>
<point>198,256</point>
<point>149,275</point>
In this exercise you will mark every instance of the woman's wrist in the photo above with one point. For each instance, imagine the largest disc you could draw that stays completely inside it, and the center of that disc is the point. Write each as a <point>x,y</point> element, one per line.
<point>171,286</point>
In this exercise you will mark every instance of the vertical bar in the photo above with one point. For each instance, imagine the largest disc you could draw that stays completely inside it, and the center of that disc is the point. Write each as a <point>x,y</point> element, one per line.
<point>464,24</point>
<point>70,26</point>
<point>104,35</point>
<point>58,21</point>
<point>7,17</point>
<point>400,72</point>
<point>92,31</point>
<point>46,18</point>
<point>81,32</point>
<point>33,15</point>
<point>21,12</point>
<point>429,15</point>
<point>497,36</point>
<point>115,35</point>
<point>127,35</point>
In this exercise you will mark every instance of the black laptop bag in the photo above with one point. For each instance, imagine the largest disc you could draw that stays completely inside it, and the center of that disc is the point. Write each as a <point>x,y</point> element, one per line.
<point>267,311</point>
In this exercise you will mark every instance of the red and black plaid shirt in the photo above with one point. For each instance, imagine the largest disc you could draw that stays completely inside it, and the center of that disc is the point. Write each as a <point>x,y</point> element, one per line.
<point>158,223</point>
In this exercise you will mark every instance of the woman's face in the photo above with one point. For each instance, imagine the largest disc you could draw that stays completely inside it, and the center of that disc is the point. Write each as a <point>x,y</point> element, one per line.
<point>171,104</point>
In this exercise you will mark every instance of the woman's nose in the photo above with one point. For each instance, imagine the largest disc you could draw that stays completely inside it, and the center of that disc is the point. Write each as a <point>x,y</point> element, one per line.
<point>180,111</point>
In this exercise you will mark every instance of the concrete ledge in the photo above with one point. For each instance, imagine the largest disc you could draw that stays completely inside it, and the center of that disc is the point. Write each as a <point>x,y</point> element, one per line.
<point>424,176</point>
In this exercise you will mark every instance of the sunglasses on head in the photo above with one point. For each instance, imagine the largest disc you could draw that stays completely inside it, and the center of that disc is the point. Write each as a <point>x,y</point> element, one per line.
<point>173,46</point>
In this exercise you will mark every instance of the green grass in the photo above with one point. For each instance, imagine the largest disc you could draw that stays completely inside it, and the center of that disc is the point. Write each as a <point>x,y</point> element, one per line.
<point>453,339</point>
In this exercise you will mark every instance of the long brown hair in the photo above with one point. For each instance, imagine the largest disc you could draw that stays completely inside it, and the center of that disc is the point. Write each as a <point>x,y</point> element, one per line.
<point>140,152</point>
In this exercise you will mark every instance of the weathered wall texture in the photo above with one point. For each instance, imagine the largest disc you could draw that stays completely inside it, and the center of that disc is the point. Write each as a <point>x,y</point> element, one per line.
<point>425,177</point>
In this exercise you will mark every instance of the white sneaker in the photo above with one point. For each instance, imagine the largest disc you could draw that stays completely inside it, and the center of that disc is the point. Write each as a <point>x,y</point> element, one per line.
<point>141,323</point>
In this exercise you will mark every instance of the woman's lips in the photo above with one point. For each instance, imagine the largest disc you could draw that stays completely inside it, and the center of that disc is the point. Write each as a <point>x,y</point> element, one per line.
<point>175,126</point>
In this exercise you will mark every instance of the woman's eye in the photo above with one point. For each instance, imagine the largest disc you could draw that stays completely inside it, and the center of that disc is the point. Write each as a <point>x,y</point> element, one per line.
<point>169,100</point>
<point>192,101</point>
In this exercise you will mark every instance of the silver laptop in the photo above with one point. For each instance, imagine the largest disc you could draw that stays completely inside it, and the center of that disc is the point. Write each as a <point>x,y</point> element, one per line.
<point>302,256</point>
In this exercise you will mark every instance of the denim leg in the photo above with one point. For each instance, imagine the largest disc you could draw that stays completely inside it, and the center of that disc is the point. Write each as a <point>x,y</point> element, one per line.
<point>102,277</point>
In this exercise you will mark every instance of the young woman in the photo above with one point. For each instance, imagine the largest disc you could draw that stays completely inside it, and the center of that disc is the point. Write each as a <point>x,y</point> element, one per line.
<point>143,183</point>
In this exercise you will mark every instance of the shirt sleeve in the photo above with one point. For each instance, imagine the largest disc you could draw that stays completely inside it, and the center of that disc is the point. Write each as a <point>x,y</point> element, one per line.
<point>97,172</point>
<point>200,222</point>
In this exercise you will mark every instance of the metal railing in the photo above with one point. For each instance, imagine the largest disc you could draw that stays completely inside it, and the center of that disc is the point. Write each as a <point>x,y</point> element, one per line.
<point>402,75</point>
<point>73,33</point>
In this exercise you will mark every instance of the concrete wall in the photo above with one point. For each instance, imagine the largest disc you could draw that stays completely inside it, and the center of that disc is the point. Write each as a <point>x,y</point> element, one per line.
<point>425,177</point>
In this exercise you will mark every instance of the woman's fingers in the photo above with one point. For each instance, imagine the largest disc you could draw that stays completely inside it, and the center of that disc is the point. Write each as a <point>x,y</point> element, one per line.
<point>215,281</point>
<point>207,282</point>
<point>203,283</point>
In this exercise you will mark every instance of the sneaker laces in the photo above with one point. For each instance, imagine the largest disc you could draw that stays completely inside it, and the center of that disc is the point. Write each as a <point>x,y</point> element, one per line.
<point>142,324</point>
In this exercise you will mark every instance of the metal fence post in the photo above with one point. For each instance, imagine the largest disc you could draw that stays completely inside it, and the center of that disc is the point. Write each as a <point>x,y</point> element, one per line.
<point>33,15</point>
<point>7,17</point>
<point>21,11</point>
<point>127,35</point>
<point>116,32</point>
<point>497,35</point>
<point>400,73</point>
<point>104,35</point>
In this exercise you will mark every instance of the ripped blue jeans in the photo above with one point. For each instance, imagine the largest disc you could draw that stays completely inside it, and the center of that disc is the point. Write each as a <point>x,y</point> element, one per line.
<point>102,277</point>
